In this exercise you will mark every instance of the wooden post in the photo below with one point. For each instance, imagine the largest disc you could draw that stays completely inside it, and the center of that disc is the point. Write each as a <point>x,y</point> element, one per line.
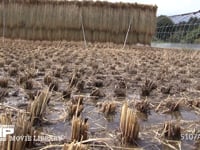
<point>85,43</point>
<point>3,19</point>
<point>127,32</point>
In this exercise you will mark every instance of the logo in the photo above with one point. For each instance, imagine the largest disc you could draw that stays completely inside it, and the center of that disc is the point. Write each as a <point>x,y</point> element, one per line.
<point>6,130</point>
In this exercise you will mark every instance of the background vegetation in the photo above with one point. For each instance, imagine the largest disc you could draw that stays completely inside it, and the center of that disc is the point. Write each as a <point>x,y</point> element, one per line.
<point>184,32</point>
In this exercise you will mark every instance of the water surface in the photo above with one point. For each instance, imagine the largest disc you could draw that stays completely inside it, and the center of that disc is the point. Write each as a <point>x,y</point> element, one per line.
<point>176,45</point>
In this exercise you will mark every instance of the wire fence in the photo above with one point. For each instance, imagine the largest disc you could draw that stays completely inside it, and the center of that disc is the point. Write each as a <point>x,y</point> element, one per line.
<point>181,28</point>
<point>178,33</point>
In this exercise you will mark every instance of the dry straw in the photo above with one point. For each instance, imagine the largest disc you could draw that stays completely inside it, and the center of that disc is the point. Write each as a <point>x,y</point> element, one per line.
<point>59,20</point>
<point>129,125</point>
<point>107,107</point>
<point>79,129</point>
<point>38,106</point>
<point>5,119</point>
<point>172,131</point>
<point>22,127</point>
<point>74,109</point>
<point>74,146</point>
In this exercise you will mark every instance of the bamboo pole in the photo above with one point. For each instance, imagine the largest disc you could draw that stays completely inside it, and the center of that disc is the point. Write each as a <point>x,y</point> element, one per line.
<point>4,23</point>
<point>85,42</point>
<point>130,23</point>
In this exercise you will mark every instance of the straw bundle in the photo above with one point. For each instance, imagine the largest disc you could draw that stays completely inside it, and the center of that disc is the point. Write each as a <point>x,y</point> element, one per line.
<point>148,87</point>
<point>75,109</point>
<point>129,125</point>
<point>143,107</point>
<point>1,16</point>
<point>134,20</point>
<point>79,129</point>
<point>38,106</point>
<point>58,20</point>
<point>107,107</point>
<point>105,21</point>
<point>22,128</point>
<point>5,119</point>
<point>132,38</point>
<point>172,131</point>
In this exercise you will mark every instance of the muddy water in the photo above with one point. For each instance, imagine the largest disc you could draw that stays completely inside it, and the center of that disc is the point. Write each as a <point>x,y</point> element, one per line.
<point>179,69</point>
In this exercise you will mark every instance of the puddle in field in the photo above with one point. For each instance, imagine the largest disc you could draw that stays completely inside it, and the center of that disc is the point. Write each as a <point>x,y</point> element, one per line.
<point>59,129</point>
<point>160,118</point>
<point>110,65</point>
<point>97,120</point>
<point>105,126</point>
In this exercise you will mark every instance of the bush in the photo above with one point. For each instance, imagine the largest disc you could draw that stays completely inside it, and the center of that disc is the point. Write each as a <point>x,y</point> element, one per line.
<point>176,37</point>
<point>193,35</point>
<point>164,24</point>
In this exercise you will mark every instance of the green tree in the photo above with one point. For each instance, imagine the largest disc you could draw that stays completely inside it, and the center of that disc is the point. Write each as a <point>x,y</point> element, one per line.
<point>192,36</point>
<point>176,37</point>
<point>186,31</point>
<point>164,27</point>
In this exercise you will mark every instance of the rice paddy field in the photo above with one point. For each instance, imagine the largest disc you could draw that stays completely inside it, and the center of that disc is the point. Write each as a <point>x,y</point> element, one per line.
<point>86,95</point>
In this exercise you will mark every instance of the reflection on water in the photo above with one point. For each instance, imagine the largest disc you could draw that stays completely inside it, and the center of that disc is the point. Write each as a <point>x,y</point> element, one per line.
<point>161,118</point>
<point>176,45</point>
